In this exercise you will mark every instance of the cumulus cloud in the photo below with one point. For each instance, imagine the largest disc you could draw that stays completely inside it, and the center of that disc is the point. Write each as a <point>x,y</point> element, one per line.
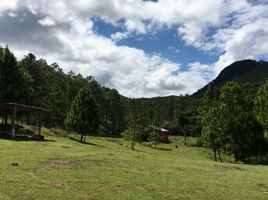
<point>12,15</point>
<point>61,31</point>
<point>47,21</point>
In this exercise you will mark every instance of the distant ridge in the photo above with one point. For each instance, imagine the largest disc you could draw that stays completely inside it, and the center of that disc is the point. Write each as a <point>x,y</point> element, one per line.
<point>241,71</point>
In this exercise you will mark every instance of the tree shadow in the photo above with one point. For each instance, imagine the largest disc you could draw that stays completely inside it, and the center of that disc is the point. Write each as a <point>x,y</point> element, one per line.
<point>86,143</point>
<point>164,149</point>
<point>23,138</point>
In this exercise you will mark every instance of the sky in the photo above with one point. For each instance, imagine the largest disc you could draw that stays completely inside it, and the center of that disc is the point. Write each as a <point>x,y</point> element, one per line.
<point>141,48</point>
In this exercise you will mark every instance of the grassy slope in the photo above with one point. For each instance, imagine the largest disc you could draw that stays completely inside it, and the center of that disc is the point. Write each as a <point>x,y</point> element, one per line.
<point>61,168</point>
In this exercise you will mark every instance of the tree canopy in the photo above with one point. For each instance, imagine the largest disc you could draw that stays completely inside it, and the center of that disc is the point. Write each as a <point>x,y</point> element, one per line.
<point>136,122</point>
<point>84,114</point>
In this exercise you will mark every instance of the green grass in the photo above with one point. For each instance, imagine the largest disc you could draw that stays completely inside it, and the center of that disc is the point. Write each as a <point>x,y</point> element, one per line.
<point>63,168</point>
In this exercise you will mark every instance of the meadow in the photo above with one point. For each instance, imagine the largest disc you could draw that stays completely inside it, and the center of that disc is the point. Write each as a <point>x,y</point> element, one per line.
<point>62,167</point>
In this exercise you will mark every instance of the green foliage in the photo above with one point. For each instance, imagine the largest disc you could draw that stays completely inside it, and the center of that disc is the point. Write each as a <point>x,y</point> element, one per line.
<point>155,136</point>
<point>14,80</point>
<point>84,115</point>
<point>261,105</point>
<point>184,122</point>
<point>209,114</point>
<point>229,124</point>
<point>136,122</point>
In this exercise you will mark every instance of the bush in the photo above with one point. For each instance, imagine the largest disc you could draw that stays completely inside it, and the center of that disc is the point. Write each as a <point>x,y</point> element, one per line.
<point>199,142</point>
<point>258,160</point>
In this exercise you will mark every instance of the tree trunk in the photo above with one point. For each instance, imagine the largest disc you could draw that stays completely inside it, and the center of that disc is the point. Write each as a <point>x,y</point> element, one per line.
<point>82,137</point>
<point>132,145</point>
<point>185,133</point>
<point>215,155</point>
<point>28,119</point>
<point>236,157</point>
<point>5,118</point>
<point>106,117</point>
<point>219,152</point>
<point>155,145</point>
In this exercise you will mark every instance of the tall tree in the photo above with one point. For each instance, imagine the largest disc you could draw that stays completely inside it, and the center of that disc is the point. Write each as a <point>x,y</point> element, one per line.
<point>136,122</point>
<point>261,105</point>
<point>183,122</point>
<point>235,125</point>
<point>84,114</point>
<point>14,80</point>
<point>155,136</point>
<point>210,133</point>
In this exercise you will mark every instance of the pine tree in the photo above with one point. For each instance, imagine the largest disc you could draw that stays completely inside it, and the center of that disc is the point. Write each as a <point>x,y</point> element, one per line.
<point>136,122</point>
<point>84,115</point>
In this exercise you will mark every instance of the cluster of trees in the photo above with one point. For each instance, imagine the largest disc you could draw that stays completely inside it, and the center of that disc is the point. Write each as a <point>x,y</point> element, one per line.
<point>33,82</point>
<point>234,121</point>
<point>165,111</point>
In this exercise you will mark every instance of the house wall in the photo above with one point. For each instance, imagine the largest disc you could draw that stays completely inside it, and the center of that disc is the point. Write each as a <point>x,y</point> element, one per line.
<point>163,133</point>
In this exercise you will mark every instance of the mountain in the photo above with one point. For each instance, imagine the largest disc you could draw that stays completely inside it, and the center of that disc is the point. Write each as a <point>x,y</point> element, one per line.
<point>241,71</point>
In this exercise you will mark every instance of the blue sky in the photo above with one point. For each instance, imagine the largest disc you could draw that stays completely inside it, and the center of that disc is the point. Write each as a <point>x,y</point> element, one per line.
<point>141,48</point>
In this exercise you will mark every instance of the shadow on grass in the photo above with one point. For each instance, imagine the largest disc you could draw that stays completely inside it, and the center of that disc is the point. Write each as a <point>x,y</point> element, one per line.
<point>87,143</point>
<point>23,138</point>
<point>164,149</point>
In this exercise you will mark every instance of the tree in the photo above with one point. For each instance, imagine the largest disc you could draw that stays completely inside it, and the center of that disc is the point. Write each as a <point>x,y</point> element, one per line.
<point>183,121</point>
<point>155,136</point>
<point>49,89</point>
<point>116,114</point>
<point>84,114</point>
<point>14,80</point>
<point>210,132</point>
<point>136,122</point>
<point>231,125</point>
<point>261,105</point>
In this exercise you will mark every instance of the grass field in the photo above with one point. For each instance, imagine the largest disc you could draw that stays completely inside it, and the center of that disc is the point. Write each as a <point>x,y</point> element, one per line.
<point>61,167</point>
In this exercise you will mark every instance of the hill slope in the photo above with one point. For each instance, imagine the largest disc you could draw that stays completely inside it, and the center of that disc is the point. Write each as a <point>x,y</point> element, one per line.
<point>240,71</point>
<point>60,167</point>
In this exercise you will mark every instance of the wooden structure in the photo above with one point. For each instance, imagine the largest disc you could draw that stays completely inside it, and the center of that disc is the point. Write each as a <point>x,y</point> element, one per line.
<point>13,108</point>
<point>163,132</point>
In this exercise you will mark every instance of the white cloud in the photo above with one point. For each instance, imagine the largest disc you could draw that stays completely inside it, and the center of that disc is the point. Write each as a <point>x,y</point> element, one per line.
<point>8,5</point>
<point>47,21</point>
<point>120,36</point>
<point>12,15</point>
<point>232,29</point>
<point>173,49</point>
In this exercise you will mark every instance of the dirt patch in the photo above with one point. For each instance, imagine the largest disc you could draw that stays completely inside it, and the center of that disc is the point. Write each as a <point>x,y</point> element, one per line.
<point>234,168</point>
<point>56,163</point>
<point>98,161</point>
<point>264,190</point>
<point>66,147</point>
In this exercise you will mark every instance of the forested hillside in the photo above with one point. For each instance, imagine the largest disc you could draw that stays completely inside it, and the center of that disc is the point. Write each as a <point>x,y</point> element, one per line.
<point>230,118</point>
<point>32,81</point>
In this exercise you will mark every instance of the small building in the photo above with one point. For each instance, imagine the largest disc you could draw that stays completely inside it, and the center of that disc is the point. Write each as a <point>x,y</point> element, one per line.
<point>164,132</point>
<point>14,108</point>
